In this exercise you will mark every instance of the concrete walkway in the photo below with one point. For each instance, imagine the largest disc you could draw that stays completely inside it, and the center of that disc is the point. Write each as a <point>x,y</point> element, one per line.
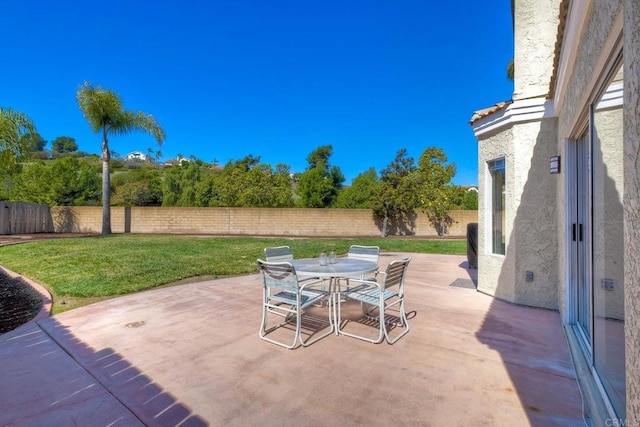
<point>190,355</point>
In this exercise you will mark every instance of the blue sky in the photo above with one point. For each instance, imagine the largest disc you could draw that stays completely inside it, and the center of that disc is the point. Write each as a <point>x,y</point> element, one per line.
<point>274,79</point>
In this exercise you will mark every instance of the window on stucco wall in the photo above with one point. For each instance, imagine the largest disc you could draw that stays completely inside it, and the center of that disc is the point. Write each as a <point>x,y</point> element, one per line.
<point>497,208</point>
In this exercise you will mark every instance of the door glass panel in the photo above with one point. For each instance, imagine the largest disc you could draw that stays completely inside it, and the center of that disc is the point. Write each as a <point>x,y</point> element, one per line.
<point>607,241</point>
<point>580,238</point>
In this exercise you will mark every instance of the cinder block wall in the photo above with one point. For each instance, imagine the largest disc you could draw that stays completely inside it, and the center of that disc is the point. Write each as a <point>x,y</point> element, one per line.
<point>242,221</point>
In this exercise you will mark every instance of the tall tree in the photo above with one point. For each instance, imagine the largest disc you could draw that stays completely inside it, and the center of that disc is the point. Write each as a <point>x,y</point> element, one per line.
<point>359,194</point>
<point>180,184</point>
<point>64,144</point>
<point>437,195</point>
<point>137,187</point>
<point>34,142</point>
<point>63,182</point>
<point>470,200</point>
<point>394,200</point>
<point>105,113</point>
<point>319,184</point>
<point>15,128</point>
<point>247,183</point>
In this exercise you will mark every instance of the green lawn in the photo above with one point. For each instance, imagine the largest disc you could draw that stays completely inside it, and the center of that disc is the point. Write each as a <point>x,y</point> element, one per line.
<point>79,271</point>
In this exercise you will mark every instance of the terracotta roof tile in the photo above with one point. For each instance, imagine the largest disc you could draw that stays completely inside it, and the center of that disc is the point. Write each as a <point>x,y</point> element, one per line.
<point>480,114</point>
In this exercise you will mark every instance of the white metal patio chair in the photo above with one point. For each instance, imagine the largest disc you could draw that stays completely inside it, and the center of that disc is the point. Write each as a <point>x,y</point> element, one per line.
<point>278,254</point>
<point>284,254</point>
<point>386,296</point>
<point>284,295</point>
<point>367,253</point>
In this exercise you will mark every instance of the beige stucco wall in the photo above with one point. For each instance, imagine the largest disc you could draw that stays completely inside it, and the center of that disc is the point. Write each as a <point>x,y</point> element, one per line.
<point>242,221</point>
<point>495,272</point>
<point>531,243</point>
<point>631,52</point>
<point>534,238</point>
<point>597,38</point>
<point>534,41</point>
<point>530,190</point>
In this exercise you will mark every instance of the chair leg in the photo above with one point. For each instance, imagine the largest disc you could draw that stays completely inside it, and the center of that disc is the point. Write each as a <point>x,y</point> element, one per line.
<point>266,309</point>
<point>288,317</point>
<point>403,323</point>
<point>326,334</point>
<point>340,331</point>
<point>382,322</point>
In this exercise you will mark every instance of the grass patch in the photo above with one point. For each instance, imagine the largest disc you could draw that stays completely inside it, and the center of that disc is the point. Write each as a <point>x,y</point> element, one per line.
<point>89,269</point>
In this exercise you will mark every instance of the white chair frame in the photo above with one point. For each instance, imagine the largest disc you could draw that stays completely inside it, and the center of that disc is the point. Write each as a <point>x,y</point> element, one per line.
<point>373,296</point>
<point>284,254</point>
<point>284,295</point>
<point>366,253</point>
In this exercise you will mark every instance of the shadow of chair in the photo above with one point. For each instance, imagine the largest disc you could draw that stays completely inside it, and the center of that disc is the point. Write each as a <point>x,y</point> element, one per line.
<point>285,296</point>
<point>386,297</point>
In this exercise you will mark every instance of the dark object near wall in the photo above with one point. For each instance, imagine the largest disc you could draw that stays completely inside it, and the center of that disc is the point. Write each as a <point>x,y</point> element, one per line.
<point>472,245</point>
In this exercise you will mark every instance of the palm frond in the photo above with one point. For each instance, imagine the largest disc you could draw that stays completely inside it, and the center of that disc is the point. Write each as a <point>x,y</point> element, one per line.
<point>126,122</point>
<point>99,106</point>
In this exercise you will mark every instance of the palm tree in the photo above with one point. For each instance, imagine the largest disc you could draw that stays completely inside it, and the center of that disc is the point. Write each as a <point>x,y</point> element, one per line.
<point>104,111</point>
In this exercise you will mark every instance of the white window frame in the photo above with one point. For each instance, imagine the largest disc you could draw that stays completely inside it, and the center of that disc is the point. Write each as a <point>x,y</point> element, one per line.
<point>489,207</point>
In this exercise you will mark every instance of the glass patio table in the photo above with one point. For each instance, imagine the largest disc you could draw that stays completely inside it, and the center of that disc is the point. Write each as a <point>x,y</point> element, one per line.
<point>342,268</point>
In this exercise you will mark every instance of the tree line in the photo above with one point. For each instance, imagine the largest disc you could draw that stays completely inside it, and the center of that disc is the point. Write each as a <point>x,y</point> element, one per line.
<point>394,194</point>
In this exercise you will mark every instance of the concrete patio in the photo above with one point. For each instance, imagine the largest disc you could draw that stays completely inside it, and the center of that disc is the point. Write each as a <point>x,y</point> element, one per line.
<point>190,355</point>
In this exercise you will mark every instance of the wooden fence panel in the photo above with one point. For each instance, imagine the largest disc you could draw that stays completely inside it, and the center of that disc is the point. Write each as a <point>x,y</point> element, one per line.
<point>25,218</point>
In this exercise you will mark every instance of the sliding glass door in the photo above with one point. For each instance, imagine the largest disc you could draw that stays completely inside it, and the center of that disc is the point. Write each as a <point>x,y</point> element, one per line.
<point>596,251</point>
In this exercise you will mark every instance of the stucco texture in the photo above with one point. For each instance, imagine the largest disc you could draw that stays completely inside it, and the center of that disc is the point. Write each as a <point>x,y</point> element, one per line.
<point>531,242</point>
<point>631,54</point>
<point>534,236</point>
<point>535,38</point>
<point>495,272</point>
<point>536,201</point>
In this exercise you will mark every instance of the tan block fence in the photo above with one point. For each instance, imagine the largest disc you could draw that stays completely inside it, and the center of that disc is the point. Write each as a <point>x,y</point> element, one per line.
<point>247,221</point>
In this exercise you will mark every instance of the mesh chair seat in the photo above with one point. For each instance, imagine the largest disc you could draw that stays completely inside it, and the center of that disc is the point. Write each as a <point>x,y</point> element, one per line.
<point>368,294</point>
<point>382,297</point>
<point>306,298</point>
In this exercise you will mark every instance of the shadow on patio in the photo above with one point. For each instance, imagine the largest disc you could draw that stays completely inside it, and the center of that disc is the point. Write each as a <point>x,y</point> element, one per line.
<point>468,360</point>
<point>64,381</point>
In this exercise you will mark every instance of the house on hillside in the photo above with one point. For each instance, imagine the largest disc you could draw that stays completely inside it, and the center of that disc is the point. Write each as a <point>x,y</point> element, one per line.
<point>137,156</point>
<point>559,189</point>
<point>178,161</point>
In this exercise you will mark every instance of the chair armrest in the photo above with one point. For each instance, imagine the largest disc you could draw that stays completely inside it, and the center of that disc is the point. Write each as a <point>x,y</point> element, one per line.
<point>309,282</point>
<point>370,281</point>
